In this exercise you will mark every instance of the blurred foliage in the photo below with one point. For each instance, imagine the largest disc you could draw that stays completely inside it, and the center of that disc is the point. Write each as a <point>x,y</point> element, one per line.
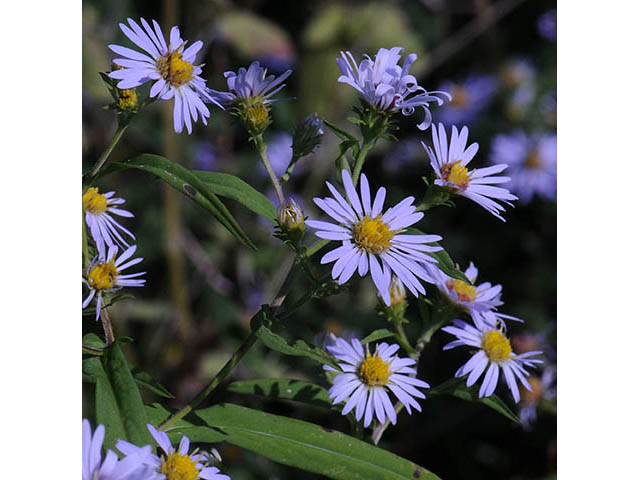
<point>226,282</point>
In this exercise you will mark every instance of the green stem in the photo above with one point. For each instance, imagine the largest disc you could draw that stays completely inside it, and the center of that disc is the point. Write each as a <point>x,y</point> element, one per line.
<point>316,246</point>
<point>403,340</point>
<point>362,156</point>
<point>262,150</point>
<point>105,155</point>
<point>222,374</point>
<point>108,328</point>
<point>379,430</point>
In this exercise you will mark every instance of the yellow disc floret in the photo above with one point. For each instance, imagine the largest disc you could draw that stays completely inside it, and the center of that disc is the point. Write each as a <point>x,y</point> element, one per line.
<point>465,292</point>
<point>103,275</point>
<point>456,174</point>
<point>374,371</point>
<point>179,467</point>
<point>94,202</point>
<point>372,235</point>
<point>496,346</point>
<point>128,100</point>
<point>174,69</point>
<point>256,116</point>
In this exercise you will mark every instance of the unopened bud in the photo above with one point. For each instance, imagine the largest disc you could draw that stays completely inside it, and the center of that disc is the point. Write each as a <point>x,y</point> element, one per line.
<point>307,135</point>
<point>291,219</point>
<point>397,292</point>
<point>127,100</point>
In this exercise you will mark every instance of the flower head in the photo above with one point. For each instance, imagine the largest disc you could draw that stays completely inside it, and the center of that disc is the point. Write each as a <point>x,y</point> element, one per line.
<point>131,467</point>
<point>175,464</point>
<point>104,229</point>
<point>548,25</point>
<point>531,160</point>
<point>171,67</point>
<point>542,388</point>
<point>372,240</point>
<point>364,380</point>
<point>449,162</point>
<point>387,86</point>
<point>104,275</point>
<point>470,97</point>
<point>493,350</point>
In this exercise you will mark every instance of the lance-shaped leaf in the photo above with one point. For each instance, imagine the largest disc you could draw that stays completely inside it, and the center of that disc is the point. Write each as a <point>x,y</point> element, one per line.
<point>292,442</point>
<point>187,183</point>
<point>283,389</point>
<point>378,335</point>
<point>232,187</point>
<point>299,349</point>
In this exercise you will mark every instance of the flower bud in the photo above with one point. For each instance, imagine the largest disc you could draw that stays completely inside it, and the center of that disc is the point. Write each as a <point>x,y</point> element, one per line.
<point>256,117</point>
<point>307,135</point>
<point>291,219</point>
<point>397,292</point>
<point>127,100</point>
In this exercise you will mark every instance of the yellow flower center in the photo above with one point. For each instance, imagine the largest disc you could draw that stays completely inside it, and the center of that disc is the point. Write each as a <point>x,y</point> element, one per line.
<point>372,235</point>
<point>374,371</point>
<point>533,160</point>
<point>94,202</point>
<point>496,346</point>
<point>256,116</point>
<point>179,467</point>
<point>103,275</point>
<point>397,293</point>
<point>457,174</point>
<point>465,292</point>
<point>174,69</point>
<point>460,97</point>
<point>128,100</point>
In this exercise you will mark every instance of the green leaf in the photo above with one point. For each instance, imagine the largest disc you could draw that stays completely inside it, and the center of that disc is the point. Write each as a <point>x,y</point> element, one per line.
<point>232,187</point>
<point>283,389</point>
<point>146,381</point>
<point>342,134</point>
<point>93,340</point>
<point>293,442</point>
<point>298,349</point>
<point>378,335</point>
<point>118,403</point>
<point>457,388</point>
<point>187,183</point>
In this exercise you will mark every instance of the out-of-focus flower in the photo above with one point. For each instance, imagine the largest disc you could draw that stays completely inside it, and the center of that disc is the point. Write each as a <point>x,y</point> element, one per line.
<point>364,378</point>
<point>387,86</point>
<point>449,162</point>
<point>402,153</point>
<point>205,157</point>
<point>517,71</point>
<point>372,240</point>
<point>175,464</point>
<point>548,25</point>
<point>103,228</point>
<point>171,67</point>
<point>520,100</point>
<point>473,299</point>
<point>493,350</point>
<point>549,108</point>
<point>131,467</point>
<point>531,160</point>
<point>542,388</point>
<point>105,275</point>
<point>470,97</point>
<point>280,152</point>
<point>250,92</point>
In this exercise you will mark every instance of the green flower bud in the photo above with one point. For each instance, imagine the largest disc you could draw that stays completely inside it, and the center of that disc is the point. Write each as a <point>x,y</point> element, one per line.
<point>307,135</point>
<point>291,220</point>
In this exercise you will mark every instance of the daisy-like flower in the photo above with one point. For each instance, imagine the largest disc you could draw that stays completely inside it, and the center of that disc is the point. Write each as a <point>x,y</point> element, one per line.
<point>541,389</point>
<point>470,97</point>
<point>171,67</point>
<point>175,464</point>
<point>387,86</point>
<point>131,467</point>
<point>449,162</point>
<point>531,160</point>
<point>104,229</point>
<point>372,240</point>
<point>364,380</point>
<point>105,276</point>
<point>493,351</point>
<point>250,85</point>
<point>475,300</point>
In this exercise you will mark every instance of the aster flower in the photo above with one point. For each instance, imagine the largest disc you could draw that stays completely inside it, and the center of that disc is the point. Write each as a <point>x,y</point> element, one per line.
<point>493,354</point>
<point>387,86</point>
<point>175,464</point>
<point>103,228</point>
<point>517,71</point>
<point>475,300</point>
<point>541,389</point>
<point>470,97</point>
<point>531,160</point>
<point>171,67</point>
<point>364,380</point>
<point>104,275</point>
<point>131,467</point>
<point>548,25</point>
<point>373,241</point>
<point>449,162</point>
<point>250,85</point>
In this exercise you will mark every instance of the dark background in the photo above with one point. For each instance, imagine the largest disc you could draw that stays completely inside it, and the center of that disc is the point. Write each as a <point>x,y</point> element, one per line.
<point>203,287</point>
